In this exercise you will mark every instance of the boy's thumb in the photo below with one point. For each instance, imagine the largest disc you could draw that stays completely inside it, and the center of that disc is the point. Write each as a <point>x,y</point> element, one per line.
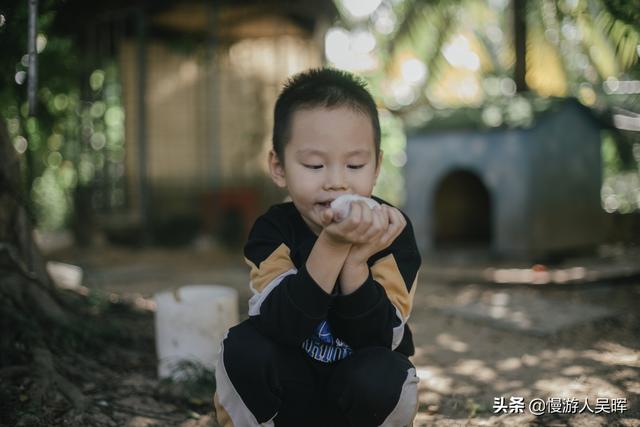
<point>327,216</point>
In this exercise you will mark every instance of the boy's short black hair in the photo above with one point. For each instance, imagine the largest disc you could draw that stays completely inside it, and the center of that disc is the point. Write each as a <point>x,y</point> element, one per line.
<point>321,87</point>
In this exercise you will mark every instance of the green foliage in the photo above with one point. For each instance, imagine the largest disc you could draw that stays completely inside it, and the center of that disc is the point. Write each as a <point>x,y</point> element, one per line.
<point>621,181</point>
<point>390,185</point>
<point>76,137</point>
<point>198,378</point>
<point>70,142</point>
<point>574,48</point>
<point>610,157</point>
<point>627,11</point>
<point>624,36</point>
<point>192,383</point>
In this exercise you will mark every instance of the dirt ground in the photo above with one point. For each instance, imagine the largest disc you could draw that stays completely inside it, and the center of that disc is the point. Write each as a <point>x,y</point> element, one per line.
<point>474,371</point>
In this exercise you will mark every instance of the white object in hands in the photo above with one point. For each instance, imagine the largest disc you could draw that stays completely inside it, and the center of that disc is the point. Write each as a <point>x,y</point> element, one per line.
<point>342,205</point>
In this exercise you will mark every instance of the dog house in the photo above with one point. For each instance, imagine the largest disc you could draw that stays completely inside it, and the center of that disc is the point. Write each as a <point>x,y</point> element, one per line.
<point>519,193</point>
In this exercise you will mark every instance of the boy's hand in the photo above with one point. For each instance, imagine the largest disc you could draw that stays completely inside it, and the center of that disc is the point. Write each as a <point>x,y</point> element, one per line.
<point>388,223</point>
<point>362,224</point>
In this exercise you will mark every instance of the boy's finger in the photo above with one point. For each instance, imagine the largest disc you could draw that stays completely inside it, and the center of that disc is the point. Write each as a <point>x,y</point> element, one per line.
<point>399,222</point>
<point>346,227</point>
<point>376,228</point>
<point>364,231</point>
<point>326,217</point>
<point>396,217</point>
<point>388,210</point>
<point>389,236</point>
<point>384,213</point>
<point>380,224</point>
<point>355,216</point>
<point>367,215</point>
<point>392,214</point>
<point>382,220</point>
<point>396,225</point>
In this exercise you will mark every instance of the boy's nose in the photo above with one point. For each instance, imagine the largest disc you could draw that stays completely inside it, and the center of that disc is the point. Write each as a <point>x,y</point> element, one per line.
<point>335,179</point>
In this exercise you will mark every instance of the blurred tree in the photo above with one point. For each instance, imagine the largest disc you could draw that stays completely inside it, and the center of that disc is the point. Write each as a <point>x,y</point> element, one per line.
<point>496,63</point>
<point>604,29</point>
<point>45,141</point>
<point>72,151</point>
<point>627,11</point>
<point>30,308</point>
<point>40,164</point>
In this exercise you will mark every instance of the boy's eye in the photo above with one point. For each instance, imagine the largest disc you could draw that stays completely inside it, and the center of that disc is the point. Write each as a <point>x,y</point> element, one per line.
<point>355,166</point>
<point>312,166</point>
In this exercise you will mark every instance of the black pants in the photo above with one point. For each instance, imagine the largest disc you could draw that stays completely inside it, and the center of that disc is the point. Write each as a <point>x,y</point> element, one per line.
<point>272,379</point>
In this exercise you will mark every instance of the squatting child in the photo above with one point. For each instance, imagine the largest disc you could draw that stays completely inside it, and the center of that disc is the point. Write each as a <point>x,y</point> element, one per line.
<point>326,342</point>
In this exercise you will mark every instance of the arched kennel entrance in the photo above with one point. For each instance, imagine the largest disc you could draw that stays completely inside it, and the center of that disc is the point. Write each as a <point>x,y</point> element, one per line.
<point>462,212</point>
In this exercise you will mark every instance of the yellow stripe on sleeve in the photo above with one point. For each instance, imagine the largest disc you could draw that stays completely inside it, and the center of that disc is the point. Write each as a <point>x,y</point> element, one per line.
<point>276,264</point>
<point>385,271</point>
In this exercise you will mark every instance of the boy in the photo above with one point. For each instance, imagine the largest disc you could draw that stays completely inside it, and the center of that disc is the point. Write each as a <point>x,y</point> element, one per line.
<point>326,342</point>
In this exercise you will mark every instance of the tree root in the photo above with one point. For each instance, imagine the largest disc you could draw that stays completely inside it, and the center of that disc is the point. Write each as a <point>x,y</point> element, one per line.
<point>21,267</point>
<point>35,285</point>
<point>48,378</point>
<point>9,372</point>
<point>145,413</point>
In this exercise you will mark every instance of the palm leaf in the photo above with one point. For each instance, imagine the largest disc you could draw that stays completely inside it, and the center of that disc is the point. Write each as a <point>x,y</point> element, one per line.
<point>624,37</point>
<point>547,69</point>
<point>418,15</point>
<point>412,16</point>
<point>425,26</point>
<point>491,52</point>
<point>598,46</point>
<point>625,11</point>
<point>611,27</point>
<point>432,56</point>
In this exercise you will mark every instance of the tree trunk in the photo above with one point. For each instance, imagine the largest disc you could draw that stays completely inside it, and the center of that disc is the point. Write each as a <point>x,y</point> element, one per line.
<point>520,44</point>
<point>20,260</point>
<point>30,307</point>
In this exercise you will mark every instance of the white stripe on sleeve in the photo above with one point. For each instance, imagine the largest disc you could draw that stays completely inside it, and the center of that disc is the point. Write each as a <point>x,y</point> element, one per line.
<point>258,297</point>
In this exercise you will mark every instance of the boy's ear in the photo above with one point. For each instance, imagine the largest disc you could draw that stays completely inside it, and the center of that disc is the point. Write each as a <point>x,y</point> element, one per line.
<point>276,169</point>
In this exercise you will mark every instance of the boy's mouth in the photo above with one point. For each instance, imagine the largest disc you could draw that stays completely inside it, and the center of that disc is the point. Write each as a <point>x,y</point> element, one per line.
<point>325,204</point>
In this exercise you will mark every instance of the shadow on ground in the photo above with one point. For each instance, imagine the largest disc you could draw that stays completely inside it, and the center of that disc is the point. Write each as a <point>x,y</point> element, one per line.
<point>468,365</point>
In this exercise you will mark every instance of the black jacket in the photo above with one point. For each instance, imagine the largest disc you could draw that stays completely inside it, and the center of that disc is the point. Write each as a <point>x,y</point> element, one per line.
<point>290,307</point>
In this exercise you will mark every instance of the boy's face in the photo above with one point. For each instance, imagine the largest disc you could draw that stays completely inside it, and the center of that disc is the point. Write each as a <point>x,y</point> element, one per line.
<point>330,152</point>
